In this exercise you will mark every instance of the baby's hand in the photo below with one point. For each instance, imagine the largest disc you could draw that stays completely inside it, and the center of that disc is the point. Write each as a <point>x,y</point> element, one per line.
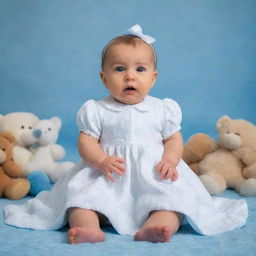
<point>167,170</point>
<point>112,164</point>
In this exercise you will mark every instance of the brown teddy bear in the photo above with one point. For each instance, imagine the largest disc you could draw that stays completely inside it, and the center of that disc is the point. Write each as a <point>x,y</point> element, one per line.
<point>197,147</point>
<point>11,186</point>
<point>231,162</point>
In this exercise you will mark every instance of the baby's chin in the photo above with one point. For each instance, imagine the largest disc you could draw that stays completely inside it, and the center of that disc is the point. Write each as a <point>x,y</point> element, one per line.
<point>129,100</point>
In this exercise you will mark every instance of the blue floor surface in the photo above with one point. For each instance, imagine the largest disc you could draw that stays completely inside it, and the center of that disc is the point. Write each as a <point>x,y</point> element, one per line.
<point>24,242</point>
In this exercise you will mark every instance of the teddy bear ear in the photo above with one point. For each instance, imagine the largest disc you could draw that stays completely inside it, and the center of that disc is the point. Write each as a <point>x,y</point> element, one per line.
<point>56,121</point>
<point>223,120</point>
<point>8,136</point>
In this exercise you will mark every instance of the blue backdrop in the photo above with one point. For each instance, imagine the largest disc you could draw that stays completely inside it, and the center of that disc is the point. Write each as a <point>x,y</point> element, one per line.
<point>50,56</point>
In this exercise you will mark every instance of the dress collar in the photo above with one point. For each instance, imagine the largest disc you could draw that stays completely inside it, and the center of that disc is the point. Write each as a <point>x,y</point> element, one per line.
<point>114,105</point>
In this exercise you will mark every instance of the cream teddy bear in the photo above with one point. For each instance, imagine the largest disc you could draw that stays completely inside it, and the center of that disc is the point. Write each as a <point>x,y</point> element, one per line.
<point>19,124</point>
<point>232,165</point>
<point>46,153</point>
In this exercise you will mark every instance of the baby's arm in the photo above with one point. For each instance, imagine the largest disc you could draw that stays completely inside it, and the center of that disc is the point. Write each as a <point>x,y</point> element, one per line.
<point>93,155</point>
<point>173,148</point>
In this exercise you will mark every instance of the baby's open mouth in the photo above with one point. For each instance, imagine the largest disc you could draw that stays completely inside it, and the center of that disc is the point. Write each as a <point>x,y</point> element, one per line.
<point>130,88</point>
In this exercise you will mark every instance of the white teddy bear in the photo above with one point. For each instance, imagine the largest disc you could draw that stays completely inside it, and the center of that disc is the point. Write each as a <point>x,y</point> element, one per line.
<point>46,153</point>
<point>19,124</point>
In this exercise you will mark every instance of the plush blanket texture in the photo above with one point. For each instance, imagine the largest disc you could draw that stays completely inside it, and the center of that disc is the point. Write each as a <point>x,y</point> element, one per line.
<point>19,242</point>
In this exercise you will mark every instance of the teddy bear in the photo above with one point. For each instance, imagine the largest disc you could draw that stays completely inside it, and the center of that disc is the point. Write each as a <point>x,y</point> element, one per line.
<point>45,152</point>
<point>19,124</point>
<point>11,186</point>
<point>228,165</point>
<point>196,148</point>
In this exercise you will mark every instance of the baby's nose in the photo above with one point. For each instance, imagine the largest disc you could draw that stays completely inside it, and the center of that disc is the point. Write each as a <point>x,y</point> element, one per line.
<point>129,76</point>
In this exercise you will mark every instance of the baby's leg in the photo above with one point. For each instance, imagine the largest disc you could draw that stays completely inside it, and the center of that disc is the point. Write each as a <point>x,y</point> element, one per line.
<point>159,227</point>
<point>84,226</point>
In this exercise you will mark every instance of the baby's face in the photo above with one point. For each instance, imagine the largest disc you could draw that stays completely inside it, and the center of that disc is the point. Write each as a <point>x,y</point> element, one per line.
<point>129,72</point>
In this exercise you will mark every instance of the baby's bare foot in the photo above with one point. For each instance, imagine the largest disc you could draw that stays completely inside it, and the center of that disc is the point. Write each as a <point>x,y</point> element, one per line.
<point>154,234</point>
<point>84,235</point>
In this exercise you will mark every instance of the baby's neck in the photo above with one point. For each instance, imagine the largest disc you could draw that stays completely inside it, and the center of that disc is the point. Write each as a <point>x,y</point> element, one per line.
<point>127,103</point>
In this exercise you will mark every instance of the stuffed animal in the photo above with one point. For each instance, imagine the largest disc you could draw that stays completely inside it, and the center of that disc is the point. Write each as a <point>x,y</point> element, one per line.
<point>240,137</point>
<point>46,154</point>
<point>11,186</point>
<point>196,148</point>
<point>224,167</point>
<point>39,181</point>
<point>19,124</point>
<point>242,142</point>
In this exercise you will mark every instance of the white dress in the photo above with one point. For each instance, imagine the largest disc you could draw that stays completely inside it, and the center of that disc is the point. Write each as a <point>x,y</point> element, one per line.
<point>134,132</point>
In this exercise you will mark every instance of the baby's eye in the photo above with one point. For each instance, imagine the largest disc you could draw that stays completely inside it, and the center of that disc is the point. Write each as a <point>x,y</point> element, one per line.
<point>140,69</point>
<point>49,129</point>
<point>119,69</point>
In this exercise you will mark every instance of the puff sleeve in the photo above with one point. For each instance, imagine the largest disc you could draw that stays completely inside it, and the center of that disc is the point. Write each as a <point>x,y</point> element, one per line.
<point>88,120</point>
<point>172,118</point>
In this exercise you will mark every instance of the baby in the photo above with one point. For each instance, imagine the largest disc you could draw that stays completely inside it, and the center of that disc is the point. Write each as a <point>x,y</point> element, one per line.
<point>128,72</point>
<point>131,174</point>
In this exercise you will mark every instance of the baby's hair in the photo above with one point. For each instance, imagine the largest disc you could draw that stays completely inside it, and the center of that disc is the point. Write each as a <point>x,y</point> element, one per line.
<point>125,39</point>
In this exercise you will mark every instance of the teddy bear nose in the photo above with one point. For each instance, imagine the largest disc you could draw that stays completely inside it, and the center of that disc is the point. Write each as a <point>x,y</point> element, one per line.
<point>37,133</point>
<point>2,156</point>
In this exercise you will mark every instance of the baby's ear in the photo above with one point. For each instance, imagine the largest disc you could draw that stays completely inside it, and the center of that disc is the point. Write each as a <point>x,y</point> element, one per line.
<point>155,75</point>
<point>103,77</point>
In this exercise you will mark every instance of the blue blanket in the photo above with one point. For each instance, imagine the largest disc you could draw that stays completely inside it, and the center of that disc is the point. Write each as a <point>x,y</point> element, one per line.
<point>19,242</point>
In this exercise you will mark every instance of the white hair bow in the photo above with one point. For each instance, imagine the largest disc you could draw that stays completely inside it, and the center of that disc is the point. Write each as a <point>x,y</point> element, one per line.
<point>137,31</point>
